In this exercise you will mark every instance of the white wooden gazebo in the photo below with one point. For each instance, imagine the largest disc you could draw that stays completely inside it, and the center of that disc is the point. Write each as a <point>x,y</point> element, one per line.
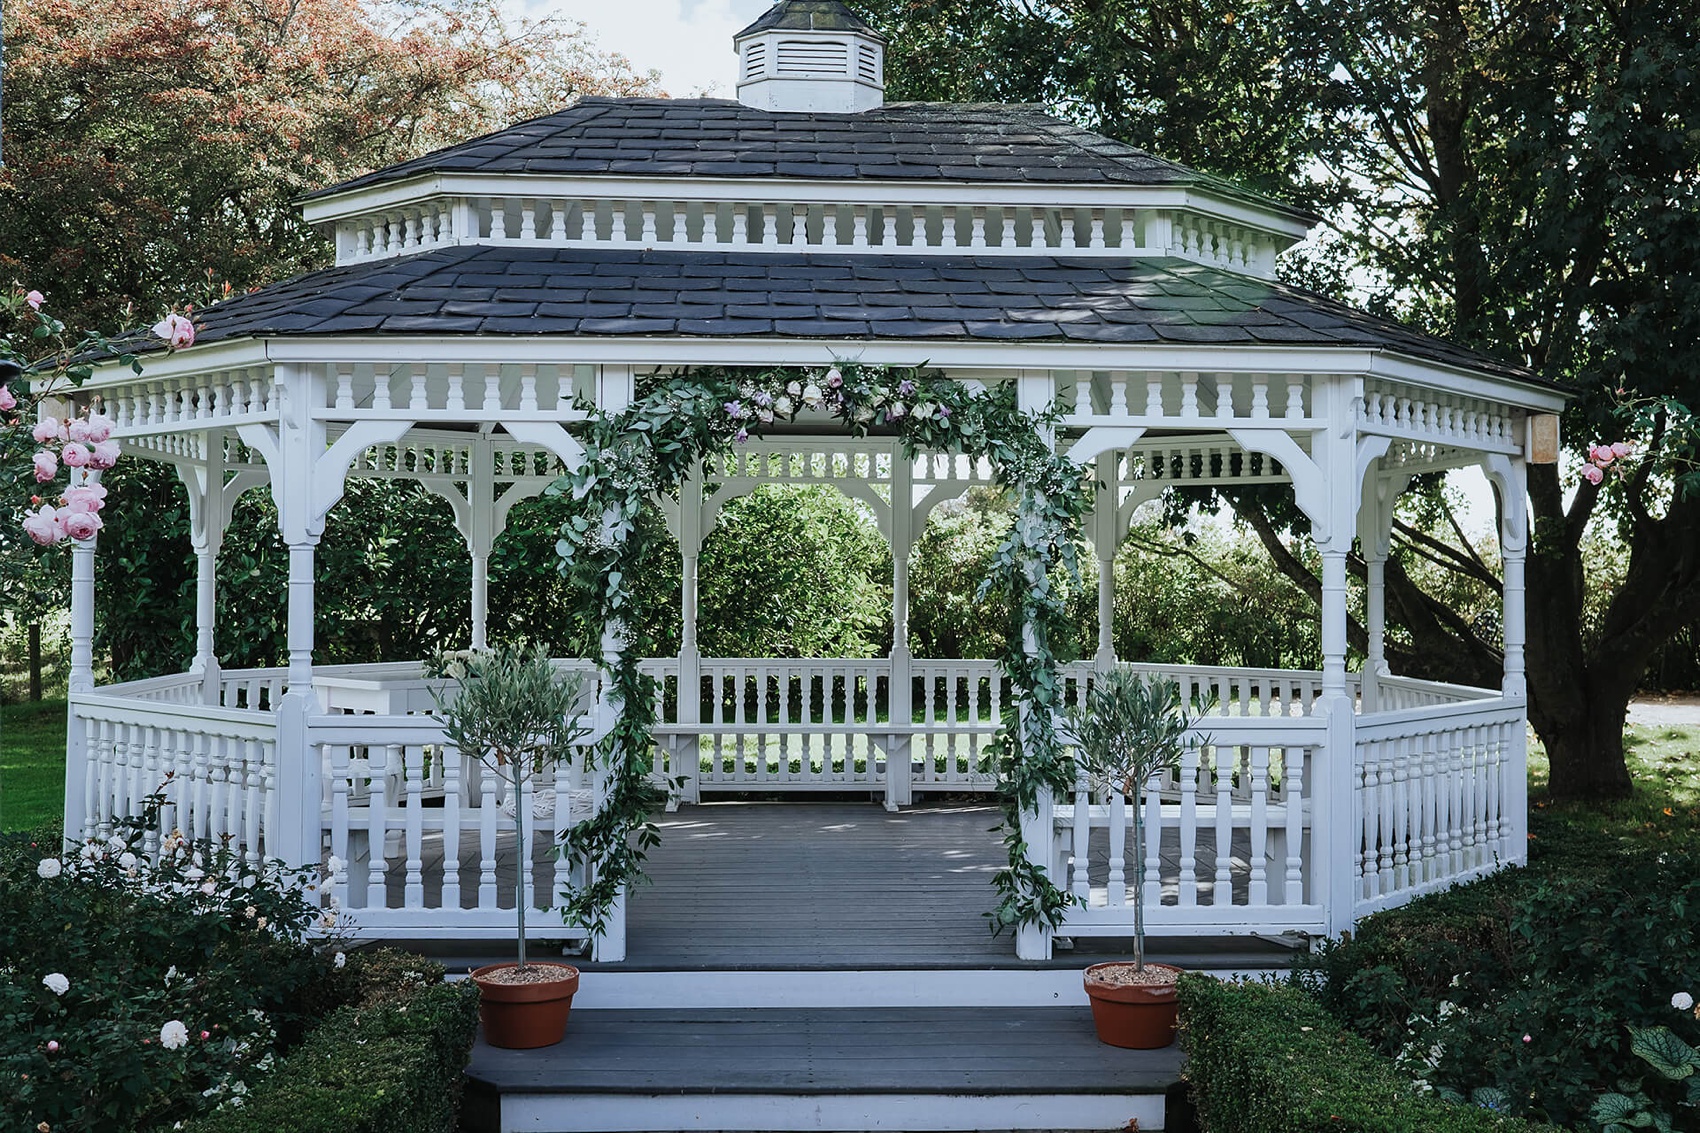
<point>485,294</point>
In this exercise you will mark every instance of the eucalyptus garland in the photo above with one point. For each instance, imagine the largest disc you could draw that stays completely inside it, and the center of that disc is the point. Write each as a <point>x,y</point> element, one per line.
<point>673,425</point>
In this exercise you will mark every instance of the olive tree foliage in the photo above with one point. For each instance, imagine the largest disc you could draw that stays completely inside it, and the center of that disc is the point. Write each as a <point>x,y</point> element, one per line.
<point>1518,175</point>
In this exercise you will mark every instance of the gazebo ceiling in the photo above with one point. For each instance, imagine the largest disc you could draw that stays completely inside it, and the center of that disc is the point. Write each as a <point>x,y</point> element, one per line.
<point>481,290</point>
<point>720,138</point>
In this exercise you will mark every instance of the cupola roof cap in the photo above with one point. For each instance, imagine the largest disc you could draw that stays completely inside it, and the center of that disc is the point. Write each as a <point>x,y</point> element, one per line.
<point>810,15</point>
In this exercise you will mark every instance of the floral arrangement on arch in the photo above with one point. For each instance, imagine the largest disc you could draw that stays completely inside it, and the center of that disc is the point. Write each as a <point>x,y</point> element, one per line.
<point>79,446</point>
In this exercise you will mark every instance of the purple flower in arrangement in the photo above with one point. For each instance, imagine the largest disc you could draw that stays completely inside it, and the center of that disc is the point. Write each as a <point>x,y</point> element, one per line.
<point>742,436</point>
<point>896,411</point>
<point>735,410</point>
<point>944,411</point>
<point>763,398</point>
<point>834,379</point>
<point>906,387</point>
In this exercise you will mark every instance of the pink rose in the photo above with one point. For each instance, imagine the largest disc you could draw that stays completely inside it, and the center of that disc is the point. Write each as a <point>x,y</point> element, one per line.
<point>74,454</point>
<point>1593,474</point>
<point>35,299</point>
<point>49,431</point>
<point>105,455</point>
<point>46,467</point>
<point>1622,448</point>
<point>52,1046</point>
<point>99,426</point>
<point>44,526</point>
<point>78,430</point>
<point>8,400</point>
<point>81,524</point>
<point>176,330</point>
<point>85,498</point>
<point>1601,454</point>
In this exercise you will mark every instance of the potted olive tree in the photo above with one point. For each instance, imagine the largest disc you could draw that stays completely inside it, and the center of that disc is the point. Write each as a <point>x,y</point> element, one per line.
<point>519,717</point>
<point>1129,729</point>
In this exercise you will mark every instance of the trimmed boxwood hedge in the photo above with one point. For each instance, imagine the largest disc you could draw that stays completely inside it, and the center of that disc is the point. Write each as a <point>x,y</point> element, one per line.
<point>389,1062</point>
<point>1262,1058</point>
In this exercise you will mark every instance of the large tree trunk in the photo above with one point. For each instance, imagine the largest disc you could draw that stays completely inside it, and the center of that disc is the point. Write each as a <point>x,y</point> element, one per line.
<point>1580,683</point>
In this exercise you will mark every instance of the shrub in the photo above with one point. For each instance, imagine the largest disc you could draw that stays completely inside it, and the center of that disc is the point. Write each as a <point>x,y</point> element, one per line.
<point>1263,1058</point>
<point>1530,981</point>
<point>134,994</point>
<point>388,1063</point>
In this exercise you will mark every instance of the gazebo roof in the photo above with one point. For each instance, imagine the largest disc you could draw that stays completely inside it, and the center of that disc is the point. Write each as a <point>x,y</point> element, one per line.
<point>473,290</point>
<point>721,138</point>
<point>809,15</point>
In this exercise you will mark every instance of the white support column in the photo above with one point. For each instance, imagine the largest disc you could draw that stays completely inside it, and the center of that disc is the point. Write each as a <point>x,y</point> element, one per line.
<point>690,657</point>
<point>81,678</point>
<point>1106,522</point>
<point>307,480</point>
<point>1509,476</point>
<point>610,945</point>
<point>1034,391</point>
<point>208,516</point>
<point>481,534</point>
<point>900,708</point>
<point>1336,826</point>
<point>1381,493</point>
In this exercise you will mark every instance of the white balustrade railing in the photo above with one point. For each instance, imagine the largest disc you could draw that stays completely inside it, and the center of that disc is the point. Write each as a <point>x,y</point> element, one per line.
<point>777,724</point>
<point>1034,228</point>
<point>428,834</point>
<point>214,768</point>
<point>1228,841</point>
<point>1432,785</point>
<point>1225,847</point>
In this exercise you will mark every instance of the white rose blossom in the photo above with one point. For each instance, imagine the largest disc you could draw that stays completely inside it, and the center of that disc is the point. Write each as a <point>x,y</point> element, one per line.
<point>1682,1001</point>
<point>56,983</point>
<point>174,1035</point>
<point>48,869</point>
<point>127,861</point>
<point>339,960</point>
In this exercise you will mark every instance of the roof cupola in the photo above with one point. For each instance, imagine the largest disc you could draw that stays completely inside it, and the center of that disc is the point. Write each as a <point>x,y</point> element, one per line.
<point>810,56</point>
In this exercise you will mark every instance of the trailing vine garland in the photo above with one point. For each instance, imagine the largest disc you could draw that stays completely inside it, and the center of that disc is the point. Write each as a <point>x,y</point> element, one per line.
<point>674,424</point>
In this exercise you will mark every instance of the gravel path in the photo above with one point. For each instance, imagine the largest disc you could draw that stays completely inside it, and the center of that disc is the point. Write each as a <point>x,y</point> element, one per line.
<point>1678,709</point>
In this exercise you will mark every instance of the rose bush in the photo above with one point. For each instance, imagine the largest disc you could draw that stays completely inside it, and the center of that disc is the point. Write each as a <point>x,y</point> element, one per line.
<point>144,980</point>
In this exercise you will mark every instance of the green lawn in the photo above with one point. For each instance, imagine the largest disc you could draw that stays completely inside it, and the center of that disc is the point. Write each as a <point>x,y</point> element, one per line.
<point>32,764</point>
<point>1664,761</point>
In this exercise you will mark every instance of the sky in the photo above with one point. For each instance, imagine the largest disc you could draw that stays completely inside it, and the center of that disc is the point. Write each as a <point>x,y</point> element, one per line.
<point>688,41</point>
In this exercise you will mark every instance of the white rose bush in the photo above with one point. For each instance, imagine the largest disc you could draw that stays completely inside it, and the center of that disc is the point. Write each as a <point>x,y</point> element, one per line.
<point>136,990</point>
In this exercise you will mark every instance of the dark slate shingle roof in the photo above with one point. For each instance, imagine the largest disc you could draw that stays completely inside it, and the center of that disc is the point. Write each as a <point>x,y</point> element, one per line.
<point>809,15</point>
<point>712,137</point>
<point>562,291</point>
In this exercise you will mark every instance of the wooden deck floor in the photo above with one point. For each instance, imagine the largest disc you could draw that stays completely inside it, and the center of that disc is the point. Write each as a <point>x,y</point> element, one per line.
<point>819,883</point>
<point>811,885</point>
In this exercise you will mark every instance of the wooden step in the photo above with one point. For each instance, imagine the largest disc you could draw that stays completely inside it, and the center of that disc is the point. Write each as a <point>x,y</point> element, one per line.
<point>845,1069</point>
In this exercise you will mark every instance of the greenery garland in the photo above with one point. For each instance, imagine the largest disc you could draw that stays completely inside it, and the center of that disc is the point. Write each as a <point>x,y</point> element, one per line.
<point>674,424</point>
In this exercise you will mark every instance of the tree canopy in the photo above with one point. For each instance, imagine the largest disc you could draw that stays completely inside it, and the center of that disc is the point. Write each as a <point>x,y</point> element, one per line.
<point>152,148</point>
<point>1518,175</point>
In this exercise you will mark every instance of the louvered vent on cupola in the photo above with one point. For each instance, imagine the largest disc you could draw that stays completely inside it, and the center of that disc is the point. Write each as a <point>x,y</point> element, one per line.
<point>811,56</point>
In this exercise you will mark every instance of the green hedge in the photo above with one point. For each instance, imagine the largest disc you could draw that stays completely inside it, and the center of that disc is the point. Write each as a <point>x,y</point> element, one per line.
<point>389,1063</point>
<point>1262,1058</point>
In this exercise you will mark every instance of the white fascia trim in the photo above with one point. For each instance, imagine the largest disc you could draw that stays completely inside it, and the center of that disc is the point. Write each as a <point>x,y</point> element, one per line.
<point>953,355</point>
<point>1001,358</point>
<point>414,190</point>
<point>235,354</point>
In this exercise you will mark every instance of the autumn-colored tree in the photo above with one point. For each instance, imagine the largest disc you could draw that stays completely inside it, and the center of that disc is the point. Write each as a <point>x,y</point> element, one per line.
<point>149,142</point>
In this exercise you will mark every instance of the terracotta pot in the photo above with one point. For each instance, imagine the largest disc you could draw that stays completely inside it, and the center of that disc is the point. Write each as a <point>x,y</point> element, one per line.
<point>524,1016</point>
<point>1138,1016</point>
